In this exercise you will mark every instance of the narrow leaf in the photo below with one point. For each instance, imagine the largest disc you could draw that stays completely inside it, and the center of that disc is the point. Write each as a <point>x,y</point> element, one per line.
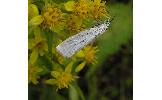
<point>34,56</point>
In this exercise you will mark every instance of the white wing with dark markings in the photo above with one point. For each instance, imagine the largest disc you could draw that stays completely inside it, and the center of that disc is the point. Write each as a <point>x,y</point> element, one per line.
<point>76,42</point>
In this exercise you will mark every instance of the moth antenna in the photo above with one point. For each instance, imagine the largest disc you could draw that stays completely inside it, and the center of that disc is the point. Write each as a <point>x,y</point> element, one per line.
<point>97,23</point>
<point>112,18</point>
<point>109,19</point>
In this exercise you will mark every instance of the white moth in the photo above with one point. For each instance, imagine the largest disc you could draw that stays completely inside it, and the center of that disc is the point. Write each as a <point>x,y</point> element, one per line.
<point>76,42</point>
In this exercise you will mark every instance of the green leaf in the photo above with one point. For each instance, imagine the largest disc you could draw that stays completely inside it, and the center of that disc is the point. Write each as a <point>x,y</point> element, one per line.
<point>49,37</point>
<point>37,32</point>
<point>35,21</point>
<point>33,56</point>
<point>73,94</point>
<point>32,11</point>
<point>80,92</point>
<point>45,61</point>
<point>55,74</point>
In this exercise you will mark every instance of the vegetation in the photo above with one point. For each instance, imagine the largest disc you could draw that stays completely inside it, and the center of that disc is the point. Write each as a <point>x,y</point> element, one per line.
<point>100,71</point>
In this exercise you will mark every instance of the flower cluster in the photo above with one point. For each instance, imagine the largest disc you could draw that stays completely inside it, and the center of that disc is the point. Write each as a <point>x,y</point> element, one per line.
<point>53,17</point>
<point>62,78</point>
<point>51,23</point>
<point>33,73</point>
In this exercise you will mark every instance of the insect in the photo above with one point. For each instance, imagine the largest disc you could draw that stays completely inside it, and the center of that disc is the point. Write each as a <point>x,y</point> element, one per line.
<point>76,42</point>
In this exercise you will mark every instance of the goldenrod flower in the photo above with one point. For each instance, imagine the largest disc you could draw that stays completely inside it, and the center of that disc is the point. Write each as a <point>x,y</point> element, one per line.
<point>62,78</point>
<point>33,73</point>
<point>52,16</point>
<point>98,9</point>
<point>90,54</point>
<point>74,24</point>
<point>81,8</point>
<point>38,46</point>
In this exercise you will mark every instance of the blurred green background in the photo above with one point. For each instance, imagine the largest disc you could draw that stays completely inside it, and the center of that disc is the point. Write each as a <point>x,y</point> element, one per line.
<point>112,77</point>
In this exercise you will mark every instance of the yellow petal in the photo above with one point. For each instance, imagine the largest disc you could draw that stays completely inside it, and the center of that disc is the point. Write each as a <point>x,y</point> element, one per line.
<point>97,1</point>
<point>34,56</point>
<point>80,54</point>
<point>50,81</point>
<point>69,5</point>
<point>80,66</point>
<point>35,21</point>
<point>34,81</point>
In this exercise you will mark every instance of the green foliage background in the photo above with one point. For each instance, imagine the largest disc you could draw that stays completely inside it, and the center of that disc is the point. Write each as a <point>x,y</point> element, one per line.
<point>111,78</point>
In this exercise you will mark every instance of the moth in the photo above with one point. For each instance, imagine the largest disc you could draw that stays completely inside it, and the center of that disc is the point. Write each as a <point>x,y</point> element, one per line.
<point>76,42</point>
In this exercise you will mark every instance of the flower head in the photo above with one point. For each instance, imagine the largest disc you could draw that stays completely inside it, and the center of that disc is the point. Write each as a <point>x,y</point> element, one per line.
<point>52,16</point>
<point>38,46</point>
<point>90,54</point>
<point>81,8</point>
<point>33,73</point>
<point>98,9</point>
<point>62,78</point>
<point>74,24</point>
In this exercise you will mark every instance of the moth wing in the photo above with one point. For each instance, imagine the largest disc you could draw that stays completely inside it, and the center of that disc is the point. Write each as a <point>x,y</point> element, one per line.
<point>73,44</point>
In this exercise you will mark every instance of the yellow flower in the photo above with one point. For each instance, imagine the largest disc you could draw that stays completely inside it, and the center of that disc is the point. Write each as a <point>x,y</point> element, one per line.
<point>33,73</point>
<point>89,54</point>
<point>38,46</point>
<point>98,9</point>
<point>62,78</point>
<point>74,24</point>
<point>82,8</point>
<point>53,16</point>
